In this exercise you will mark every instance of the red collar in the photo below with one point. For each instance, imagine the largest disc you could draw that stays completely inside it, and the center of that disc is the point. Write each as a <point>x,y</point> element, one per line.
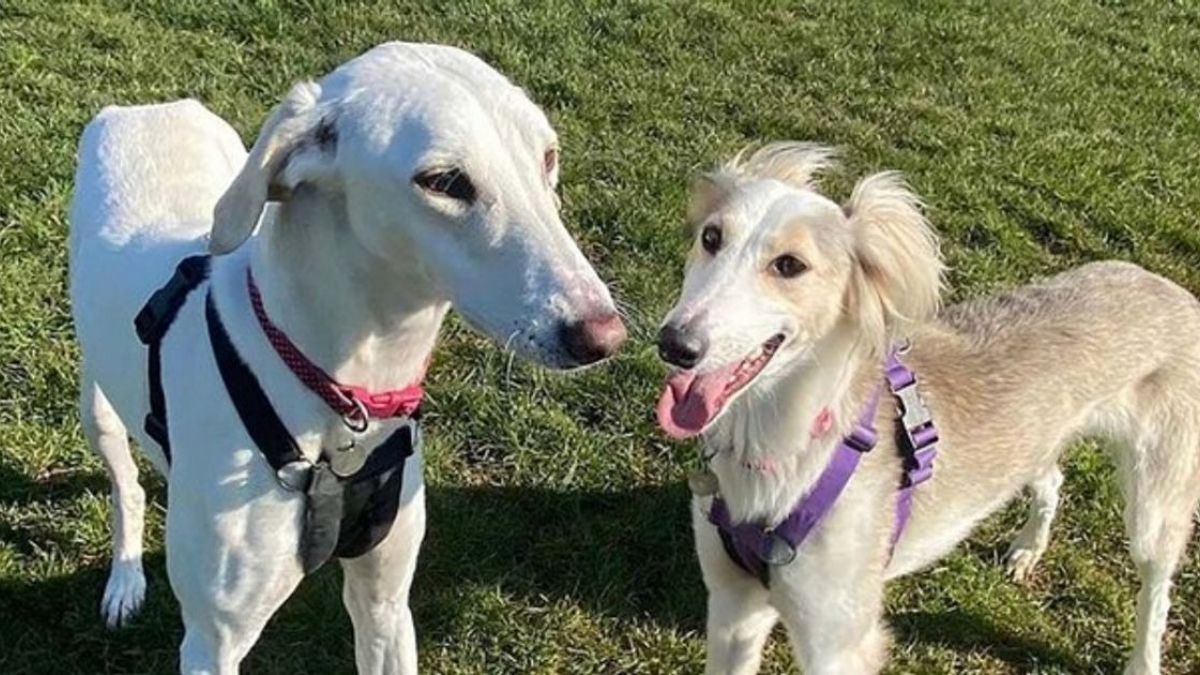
<point>355,404</point>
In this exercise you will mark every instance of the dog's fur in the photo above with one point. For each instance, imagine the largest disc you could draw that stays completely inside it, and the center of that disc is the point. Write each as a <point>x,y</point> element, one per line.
<point>358,264</point>
<point>1106,349</point>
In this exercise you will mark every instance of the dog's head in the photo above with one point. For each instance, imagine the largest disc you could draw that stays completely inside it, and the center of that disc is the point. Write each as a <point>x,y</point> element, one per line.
<point>776,267</point>
<point>440,168</point>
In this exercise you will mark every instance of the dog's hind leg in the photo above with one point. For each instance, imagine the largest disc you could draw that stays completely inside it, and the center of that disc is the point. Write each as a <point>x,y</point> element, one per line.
<point>1027,549</point>
<point>126,588</point>
<point>376,586</point>
<point>1160,474</point>
<point>1159,529</point>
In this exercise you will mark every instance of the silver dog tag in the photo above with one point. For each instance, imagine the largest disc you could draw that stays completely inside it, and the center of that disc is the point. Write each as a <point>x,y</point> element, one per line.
<point>703,483</point>
<point>347,460</point>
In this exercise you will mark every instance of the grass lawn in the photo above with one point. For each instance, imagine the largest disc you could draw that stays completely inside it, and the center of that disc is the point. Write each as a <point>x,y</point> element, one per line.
<point>1041,134</point>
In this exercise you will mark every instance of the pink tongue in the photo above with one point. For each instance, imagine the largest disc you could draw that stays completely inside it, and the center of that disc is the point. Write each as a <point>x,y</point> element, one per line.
<point>689,401</point>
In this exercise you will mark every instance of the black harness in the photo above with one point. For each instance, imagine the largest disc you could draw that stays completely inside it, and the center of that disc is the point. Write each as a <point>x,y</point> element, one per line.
<point>346,513</point>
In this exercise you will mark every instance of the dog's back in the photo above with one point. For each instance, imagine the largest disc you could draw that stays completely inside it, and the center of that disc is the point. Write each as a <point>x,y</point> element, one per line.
<point>147,180</point>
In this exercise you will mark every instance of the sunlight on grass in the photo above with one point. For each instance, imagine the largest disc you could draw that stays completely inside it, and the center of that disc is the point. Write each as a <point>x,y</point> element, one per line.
<point>1041,136</point>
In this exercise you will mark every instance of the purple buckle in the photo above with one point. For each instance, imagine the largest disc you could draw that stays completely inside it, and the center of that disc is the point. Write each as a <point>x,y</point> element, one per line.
<point>861,438</point>
<point>898,376</point>
<point>923,437</point>
<point>920,469</point>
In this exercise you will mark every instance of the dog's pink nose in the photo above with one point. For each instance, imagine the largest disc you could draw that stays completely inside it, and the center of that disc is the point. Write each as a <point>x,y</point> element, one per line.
<point>594,338</point>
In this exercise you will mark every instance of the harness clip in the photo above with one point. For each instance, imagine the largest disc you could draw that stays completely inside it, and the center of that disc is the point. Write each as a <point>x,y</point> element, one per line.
<point>913,414</point>
<point>295,476</point>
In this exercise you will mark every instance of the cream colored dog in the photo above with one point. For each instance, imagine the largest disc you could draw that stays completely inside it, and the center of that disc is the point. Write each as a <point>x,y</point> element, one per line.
<point>789,307</point>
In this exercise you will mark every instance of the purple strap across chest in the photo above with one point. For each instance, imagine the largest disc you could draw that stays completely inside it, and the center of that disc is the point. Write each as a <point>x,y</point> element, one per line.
<point>756,547</point>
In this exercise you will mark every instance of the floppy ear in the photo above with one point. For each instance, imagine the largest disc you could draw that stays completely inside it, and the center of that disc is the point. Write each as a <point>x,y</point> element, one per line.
<point>897,275</point>
<point>294,145</point>
<point>706,195</point>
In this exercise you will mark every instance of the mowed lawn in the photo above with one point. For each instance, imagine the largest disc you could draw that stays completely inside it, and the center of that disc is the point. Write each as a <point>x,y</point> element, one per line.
<point>1041,134</point>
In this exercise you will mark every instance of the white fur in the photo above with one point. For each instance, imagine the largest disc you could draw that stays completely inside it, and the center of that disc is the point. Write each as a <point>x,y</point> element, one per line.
<point>357,264</point>
<point>1105,349</point>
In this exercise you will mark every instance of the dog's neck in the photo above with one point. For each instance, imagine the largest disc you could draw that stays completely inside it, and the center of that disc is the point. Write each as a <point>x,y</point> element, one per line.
<point>367,320</point>
<point>771,445</point>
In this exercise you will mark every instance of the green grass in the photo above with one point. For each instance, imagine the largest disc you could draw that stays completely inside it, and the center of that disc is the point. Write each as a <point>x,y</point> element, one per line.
<point>1041,134</point>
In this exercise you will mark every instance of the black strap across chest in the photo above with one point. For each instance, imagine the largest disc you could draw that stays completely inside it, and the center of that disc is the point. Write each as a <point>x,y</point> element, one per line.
<point>151,324</point>
<point>345,515</point>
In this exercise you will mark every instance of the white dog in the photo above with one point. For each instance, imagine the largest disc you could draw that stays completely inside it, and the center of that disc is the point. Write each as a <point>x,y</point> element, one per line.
<point>790,309</point>
<point>411,179</point>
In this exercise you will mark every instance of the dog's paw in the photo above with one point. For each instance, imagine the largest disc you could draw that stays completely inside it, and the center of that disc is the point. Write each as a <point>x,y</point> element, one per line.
<point>124,594</point>
<point>1020,562</point>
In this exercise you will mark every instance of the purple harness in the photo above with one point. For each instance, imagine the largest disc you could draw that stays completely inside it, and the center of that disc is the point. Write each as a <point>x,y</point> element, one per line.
<point>756,548</point>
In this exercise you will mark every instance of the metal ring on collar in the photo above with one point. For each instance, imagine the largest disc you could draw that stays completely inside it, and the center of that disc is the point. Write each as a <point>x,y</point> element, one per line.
<point>357,421</point>
<point>778,551</point>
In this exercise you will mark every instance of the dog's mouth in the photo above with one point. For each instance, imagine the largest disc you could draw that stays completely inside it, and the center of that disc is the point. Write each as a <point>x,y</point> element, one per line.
<point>691,401</point>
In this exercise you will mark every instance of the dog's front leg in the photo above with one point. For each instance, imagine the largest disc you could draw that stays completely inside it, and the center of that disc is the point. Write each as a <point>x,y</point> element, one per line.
<point>232,562</point>
<point>835,624</point>
<point>739,616</point>
<point>739,622</point>
<point>376,587</point>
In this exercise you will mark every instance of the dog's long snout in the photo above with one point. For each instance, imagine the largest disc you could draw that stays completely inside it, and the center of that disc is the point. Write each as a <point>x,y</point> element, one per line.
<point>594,338</point>
<point>680,347</point>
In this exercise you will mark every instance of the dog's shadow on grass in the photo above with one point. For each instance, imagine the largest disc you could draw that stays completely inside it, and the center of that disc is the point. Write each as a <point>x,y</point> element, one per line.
<point>18,488</point>
<point>963,631</point>
<point>630,554</point>
<point>623,554</point>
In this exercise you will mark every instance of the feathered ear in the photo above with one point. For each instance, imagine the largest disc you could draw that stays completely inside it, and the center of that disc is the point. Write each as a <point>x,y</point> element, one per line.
<point>706,196</point>
<point>897,276</point>
<point>296,144</point>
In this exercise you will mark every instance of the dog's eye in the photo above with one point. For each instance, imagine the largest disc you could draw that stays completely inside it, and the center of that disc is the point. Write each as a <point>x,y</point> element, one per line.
<point>452,183</point>
<point>710,239</point>
<point>788,266</point>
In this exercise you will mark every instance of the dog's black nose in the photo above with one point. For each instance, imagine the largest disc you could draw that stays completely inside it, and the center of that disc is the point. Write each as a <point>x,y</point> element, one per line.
<point>679,347</point>
<point>594,338</point>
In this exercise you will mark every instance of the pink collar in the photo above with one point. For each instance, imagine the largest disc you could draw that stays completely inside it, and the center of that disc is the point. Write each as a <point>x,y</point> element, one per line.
<point>355,404</point>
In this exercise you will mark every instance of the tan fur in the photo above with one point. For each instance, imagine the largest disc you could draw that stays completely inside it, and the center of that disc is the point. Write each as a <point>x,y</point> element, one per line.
<point>898,279</point>
<point>1106,349</point>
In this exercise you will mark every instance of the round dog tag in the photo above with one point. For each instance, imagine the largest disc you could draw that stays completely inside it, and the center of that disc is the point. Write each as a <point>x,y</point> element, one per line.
<point>347,460</point>
<point>779,551</point>
<point>703,483</point>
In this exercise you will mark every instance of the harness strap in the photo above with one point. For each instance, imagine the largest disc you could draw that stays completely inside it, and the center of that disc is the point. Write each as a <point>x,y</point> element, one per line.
<point>151,324</point>
<point>267,431</point>
<point>344,516</point>
<point>916,438</point>
<point>756,548</point>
